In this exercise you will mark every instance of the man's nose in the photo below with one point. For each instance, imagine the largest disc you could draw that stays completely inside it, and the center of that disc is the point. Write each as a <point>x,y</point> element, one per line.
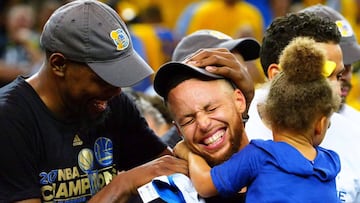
<point>203,121</point>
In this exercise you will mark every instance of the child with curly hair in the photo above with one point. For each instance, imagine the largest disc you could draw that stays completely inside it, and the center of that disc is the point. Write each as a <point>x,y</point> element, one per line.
<point>292,167</point>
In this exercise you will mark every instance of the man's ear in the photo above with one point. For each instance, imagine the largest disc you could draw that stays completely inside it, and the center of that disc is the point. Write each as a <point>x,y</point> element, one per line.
<point>273,70</point>
<point>240,100</point>
<point>58,63</point>
<point>177,128</point>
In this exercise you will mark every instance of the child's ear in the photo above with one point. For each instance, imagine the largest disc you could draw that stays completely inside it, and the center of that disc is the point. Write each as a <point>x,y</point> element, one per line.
<point>321,126</point>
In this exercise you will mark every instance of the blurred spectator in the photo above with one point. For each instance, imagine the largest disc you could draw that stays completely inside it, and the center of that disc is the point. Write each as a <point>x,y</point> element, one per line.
<point>351,11</point>
<point>172,136</point>
<point>157,116</point>
<point>271,9</point>
<point>139,47</point>
<point>44,12</point>
<point>353,98</point>
<point>152,115</point>
<point>152,15</point>
<point>235,18</point>
<point>157,40</point>
<point>22,53</point>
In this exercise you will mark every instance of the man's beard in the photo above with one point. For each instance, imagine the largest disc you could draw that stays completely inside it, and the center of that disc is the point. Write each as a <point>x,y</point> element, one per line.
<point>234,148</point>
<point>88,122</point>
<point>343,98</point>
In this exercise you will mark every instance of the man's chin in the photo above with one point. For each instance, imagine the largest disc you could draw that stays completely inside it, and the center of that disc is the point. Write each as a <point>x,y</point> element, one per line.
<point>218,159</point>
<point>94,120</point>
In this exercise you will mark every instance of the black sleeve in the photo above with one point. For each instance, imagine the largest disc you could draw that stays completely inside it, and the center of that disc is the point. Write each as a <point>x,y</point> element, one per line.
<point>137,143</point>
<point>19,170</point>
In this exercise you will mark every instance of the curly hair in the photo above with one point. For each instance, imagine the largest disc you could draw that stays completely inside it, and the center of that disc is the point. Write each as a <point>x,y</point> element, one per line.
<point>300,93</point>
<point>283,29</point>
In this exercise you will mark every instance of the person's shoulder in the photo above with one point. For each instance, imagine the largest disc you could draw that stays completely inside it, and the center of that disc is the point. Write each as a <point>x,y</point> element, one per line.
<point>340,122</point>
<point>15,93</point>
<point>329,153</point>
<point>255,127</point>
<point>349,112</point>
<point>256,147</point>
<point>343,137</point>
<point>263,144</point>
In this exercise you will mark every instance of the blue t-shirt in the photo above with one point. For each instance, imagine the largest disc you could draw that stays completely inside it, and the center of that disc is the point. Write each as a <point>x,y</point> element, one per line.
<point>277,172</point>
<point>55,160</point>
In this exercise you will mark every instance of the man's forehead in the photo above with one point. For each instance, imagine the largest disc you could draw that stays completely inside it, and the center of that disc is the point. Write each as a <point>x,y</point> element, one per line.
<point>197,89</point>
<point>329,48</point>
<point>333,53</point>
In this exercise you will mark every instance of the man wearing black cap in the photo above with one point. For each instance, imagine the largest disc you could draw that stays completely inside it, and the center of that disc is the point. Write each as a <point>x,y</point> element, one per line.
<point>246,50</point>
<point>208,108</point>
<point>67,132</point>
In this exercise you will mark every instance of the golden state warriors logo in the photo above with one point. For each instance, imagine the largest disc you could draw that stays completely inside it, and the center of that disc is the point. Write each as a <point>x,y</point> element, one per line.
<point>344,28</point>
<point>121,40</point>
<point>103,150</point>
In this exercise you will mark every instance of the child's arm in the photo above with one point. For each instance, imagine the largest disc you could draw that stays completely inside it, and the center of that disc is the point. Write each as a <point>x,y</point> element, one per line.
<point>199,170</point>
<point>200,176</point>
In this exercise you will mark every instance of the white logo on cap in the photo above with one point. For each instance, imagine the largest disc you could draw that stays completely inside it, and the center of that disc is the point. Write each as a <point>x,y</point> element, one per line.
<point>121,40</point>
<point>344,28</point>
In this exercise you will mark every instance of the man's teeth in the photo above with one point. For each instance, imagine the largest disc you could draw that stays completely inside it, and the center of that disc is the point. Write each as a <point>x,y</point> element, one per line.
<point>211,140</point>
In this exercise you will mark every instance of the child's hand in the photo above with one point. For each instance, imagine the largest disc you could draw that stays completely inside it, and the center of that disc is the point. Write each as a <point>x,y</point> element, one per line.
<point>181,150</point>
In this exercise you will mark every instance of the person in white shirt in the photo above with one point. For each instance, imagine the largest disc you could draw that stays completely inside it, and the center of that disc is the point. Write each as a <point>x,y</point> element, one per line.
<point>342,134</point>
<point>351,54</point>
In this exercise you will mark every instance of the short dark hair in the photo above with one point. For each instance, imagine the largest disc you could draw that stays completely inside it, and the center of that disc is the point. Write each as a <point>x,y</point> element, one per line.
<point>301,93</point>
<point>283,29</point>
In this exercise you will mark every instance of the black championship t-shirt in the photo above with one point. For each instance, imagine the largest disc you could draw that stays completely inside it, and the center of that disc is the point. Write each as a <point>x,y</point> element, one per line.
<point>42,157</point>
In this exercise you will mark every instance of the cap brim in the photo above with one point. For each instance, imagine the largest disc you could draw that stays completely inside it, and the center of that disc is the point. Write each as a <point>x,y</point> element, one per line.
<point>249,48</point>
<point>350,49</point>
<point>171,70</point>
<point>123,72</point>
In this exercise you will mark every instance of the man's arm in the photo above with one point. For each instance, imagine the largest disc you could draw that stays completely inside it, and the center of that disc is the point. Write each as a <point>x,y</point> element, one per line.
<point>125,184</point>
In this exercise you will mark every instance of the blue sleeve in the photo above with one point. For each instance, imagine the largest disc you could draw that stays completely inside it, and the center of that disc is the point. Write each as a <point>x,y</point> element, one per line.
<point>239,171</point>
